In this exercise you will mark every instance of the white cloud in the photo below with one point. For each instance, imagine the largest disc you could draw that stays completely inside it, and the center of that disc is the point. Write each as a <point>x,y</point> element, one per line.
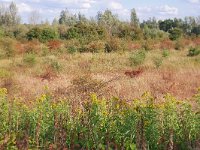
<point>115,6</point>
<point>23,7</point>
<point>194,1</point>
<point>167,10</point>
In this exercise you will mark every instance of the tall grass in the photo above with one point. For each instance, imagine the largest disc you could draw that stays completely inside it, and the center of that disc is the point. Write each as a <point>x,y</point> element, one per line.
<point>46,123</point>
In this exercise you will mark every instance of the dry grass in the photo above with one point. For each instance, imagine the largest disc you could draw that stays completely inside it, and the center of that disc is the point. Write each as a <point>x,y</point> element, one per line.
<point>178,74</point>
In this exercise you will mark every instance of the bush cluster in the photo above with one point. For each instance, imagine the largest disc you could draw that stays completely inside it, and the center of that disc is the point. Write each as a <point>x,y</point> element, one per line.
<point>99,123</point>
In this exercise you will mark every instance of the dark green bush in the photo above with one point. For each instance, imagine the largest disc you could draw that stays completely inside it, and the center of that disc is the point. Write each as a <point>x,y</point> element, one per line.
<point>34,33</point>
<point>72,49</point>
<point>42,35</point>
<point>193,52</point>
<point>48,34</point>
<point>175,34</point>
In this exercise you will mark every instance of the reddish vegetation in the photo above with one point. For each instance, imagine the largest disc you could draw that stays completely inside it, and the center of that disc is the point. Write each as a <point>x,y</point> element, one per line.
<point>54,44</point>
<point>196,41</point>
<point>167,44</point>
<point>32,46</point>
<point>134,73</point>
<point>134,46</point>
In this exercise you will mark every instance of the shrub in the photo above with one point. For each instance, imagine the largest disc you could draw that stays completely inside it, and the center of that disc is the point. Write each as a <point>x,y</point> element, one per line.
<point>157,61</point>
<point>49,122</point>
<point>34,33</point>
<point>175,34</point>
<point>148,45</point>
<point>112,45</point>
<point>96,46</point>
<point>193,52</point>
<point>165,53</point>
<point>33,46</point>
<point>55,65</point>
<point>72,49</point>
<point>179,45</point>
<point>42,35</point>
<point>29,59</point>
<point>48,34</point>
<point>7,45</point>
<point>137,58</point>
<point>54,44</point>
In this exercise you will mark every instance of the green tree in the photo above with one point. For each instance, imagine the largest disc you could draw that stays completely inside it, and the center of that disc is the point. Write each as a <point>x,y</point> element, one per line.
<point>67,18</point>
<point>108,20</point>
<point>175,33</point>
<point>134,19</point>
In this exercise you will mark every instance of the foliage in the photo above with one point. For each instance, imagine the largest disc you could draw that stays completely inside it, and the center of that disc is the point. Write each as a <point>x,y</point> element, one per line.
<point>175,33</point>
<point>113,45</point>
<point>29,59</point>
<point>157,61</point>
<point>137,58</point>
<point>165,53</point>
<point>42,35</point>
<point>99,123</point>
<point>193,52</point>
<point>54,44</point>
<point>7,46</point>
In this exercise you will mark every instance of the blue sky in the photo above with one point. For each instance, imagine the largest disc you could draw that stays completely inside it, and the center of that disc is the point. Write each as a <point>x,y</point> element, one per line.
<point>161,9</point>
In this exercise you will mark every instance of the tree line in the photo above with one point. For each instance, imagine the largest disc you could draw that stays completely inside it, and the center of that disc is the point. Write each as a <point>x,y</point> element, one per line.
<point>105,24</point>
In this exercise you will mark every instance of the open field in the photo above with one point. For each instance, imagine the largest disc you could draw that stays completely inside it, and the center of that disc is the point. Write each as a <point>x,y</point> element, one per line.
<point>177,74</point>
<point>103,82</point>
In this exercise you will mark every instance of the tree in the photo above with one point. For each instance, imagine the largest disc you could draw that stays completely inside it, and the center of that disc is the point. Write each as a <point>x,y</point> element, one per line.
<point>175,33</point>
<point>67,18</point>
<point>108,20</point>
<point>196,30</point>
<point>134,19</point>
<point>34,17</point>
<point>166,25</point>
<point>15,19</point>
<point>55,22</point>
<point>9,15</point>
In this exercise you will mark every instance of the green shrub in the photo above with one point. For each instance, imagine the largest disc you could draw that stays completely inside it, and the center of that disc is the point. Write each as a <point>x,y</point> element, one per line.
<point>157,61</point>
<point>43,35</point>
<point>48,34</point>
<point>55,65</point>
<point>34,33</point>
<point>165,53</point>
<point>175,34</point>
<point>29,59</point>
<point>193,52</point>
<point>137,58</point>
<point>93,122</point>
<point>72,49</point>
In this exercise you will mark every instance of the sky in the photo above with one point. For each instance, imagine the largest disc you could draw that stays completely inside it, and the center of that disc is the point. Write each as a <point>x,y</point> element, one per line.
<point>161,9</point>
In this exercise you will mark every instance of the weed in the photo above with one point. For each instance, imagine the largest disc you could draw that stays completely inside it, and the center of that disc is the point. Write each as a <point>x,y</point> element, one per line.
<point>193,52</point>
<point>157,61</point>
<point>165,53</point>
<point>137,58</point>
<point>29,59</point>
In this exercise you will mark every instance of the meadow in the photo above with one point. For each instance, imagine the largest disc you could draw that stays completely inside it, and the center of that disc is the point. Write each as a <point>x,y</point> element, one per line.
<point>99,83</point>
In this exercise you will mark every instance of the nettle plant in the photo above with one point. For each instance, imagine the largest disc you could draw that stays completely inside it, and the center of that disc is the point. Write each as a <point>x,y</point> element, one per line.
<point>98,123</point>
